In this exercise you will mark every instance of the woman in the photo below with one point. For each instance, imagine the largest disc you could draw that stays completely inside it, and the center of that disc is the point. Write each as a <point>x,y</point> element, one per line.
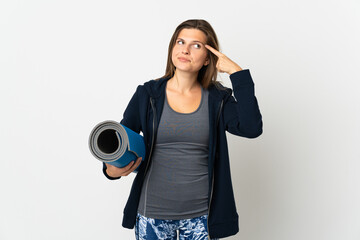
<point>184,182</point>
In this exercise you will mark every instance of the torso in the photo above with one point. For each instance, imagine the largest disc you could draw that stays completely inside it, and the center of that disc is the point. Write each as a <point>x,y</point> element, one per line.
<point>177,183</point>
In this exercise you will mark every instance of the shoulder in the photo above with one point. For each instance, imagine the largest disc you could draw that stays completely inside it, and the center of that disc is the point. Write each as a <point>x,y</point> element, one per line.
<point>154,87</point>
<point>150,88</point>
<point>145,87</point>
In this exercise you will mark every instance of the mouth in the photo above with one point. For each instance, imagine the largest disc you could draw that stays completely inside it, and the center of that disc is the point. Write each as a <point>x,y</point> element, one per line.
<point>182,59</point>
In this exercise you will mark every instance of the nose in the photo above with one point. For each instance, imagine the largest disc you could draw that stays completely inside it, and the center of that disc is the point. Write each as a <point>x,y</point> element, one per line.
<point>185,49</point>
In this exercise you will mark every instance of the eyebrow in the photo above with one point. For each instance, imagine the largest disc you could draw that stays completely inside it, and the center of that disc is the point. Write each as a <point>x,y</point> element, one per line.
<point>192,41</point>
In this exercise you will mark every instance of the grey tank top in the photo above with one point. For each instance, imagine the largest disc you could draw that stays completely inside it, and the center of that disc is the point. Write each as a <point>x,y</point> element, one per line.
<point>176,185</point>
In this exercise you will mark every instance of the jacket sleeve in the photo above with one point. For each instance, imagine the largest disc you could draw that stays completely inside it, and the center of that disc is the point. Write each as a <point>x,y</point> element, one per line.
<point>131,119</point>
<point>241,113</point>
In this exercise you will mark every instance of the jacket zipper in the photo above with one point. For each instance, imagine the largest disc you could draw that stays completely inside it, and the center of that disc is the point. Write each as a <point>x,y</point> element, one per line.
<point>151,149</point>
<point>212,179</point>
<point>153,135</point>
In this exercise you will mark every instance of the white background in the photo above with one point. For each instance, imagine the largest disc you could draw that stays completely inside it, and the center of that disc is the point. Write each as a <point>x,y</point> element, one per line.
<point>67,65</point>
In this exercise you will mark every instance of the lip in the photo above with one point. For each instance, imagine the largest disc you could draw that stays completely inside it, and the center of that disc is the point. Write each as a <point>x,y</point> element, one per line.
<point>182,59</point>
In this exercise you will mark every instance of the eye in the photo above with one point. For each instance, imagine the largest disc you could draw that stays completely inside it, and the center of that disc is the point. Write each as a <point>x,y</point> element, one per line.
<point>196,45</point>
<point>180,42</point>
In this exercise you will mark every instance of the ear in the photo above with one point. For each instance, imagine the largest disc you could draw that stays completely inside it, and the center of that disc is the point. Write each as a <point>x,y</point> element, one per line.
<point>206,62</point>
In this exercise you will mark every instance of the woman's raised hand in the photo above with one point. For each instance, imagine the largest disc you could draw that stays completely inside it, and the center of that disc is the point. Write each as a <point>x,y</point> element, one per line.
<point>224,64</point>
<point>113,171</point>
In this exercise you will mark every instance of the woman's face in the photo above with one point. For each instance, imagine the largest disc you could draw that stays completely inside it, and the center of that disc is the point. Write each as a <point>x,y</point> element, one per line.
<point>189,53</point>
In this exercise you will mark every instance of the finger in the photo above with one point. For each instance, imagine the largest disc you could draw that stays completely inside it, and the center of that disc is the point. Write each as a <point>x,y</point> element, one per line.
<point>213,50</point>
<point>137,163</point>
<point>218,66</point>
<point>128,167</point>
<point>128,170</point>
<point>133,167</point>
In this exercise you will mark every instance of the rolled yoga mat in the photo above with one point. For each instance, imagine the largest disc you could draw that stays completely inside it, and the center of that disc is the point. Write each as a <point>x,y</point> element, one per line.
<point>115,144</point>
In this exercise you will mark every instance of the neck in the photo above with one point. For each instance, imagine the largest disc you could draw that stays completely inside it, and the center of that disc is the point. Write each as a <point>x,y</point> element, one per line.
<point>184,81</point>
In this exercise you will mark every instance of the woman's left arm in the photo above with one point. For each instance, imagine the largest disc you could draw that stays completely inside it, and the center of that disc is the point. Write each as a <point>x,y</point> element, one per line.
<point>242,116</point>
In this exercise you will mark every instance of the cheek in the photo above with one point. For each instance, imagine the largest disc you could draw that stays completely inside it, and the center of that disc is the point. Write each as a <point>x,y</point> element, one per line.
<point>175,49</point>
<point>201,57</point>
<point>173,53</point>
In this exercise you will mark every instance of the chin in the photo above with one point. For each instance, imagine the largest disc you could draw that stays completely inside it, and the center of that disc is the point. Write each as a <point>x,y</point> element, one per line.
<point>189,69</point>
<point>186,70</point>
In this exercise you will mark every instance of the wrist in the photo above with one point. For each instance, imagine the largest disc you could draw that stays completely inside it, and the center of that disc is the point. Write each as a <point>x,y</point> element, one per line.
<point>235,69</point>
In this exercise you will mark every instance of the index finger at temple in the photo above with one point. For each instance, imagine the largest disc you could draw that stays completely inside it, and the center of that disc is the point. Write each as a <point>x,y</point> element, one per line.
<point>213,50</point>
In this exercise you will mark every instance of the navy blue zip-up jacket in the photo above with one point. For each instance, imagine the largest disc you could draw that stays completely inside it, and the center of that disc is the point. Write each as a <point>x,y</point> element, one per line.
<point>240,116</point>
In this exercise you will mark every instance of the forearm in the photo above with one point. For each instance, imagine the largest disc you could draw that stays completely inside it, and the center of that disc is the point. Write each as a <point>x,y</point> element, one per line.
<point>244,117</point>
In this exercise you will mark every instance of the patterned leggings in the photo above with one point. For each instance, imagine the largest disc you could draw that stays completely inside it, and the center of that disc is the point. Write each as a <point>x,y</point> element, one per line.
<point>154,229</point>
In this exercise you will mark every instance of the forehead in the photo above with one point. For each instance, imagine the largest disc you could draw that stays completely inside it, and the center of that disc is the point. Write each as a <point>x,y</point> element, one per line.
<point>192,35</point>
